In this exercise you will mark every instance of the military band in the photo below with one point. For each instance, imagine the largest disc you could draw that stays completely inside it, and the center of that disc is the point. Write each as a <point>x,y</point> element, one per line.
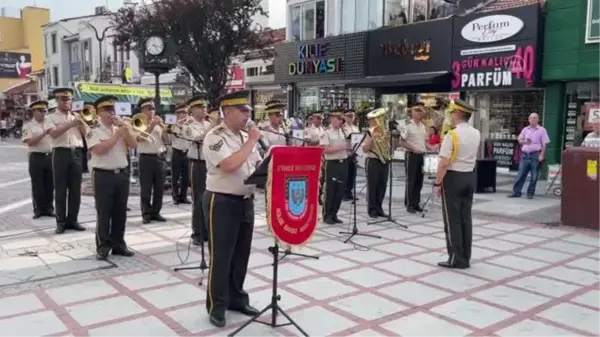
<point>109,145</point>
<point>231,156</point>
<point>377,164</point>
<point>335,172</point>
<point>455,183</point>
<point>67,157</point>
<point>36,134</point>
<point>312,133</point>
<point>273,133</point>
<point>180,176</point>
<point>349,128</point>
<point>196,129</point>
<point>151,162</point>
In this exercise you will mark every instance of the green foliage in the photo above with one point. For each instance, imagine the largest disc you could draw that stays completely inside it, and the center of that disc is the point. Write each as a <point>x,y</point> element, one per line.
<point>207,34</point>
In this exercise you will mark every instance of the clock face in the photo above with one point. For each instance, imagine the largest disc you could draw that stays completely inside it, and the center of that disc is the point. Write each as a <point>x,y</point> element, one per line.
<point>155,45</point>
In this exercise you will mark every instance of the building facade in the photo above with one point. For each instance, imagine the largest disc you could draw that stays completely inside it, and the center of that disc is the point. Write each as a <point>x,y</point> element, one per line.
<point>570,72</point>
<point>21,45</point>
<point>80,50</point>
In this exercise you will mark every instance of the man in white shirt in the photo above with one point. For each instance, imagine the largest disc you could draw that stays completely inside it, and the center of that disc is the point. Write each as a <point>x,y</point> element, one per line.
<point>593,138</point>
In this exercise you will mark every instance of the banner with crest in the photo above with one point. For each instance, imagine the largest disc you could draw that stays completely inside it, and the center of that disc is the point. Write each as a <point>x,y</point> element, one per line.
<point>292,193</point>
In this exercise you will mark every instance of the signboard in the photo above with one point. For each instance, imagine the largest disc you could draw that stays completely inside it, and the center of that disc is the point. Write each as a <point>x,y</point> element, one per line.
<point>313,59</point>
<point>496,51</point>
<point>236,79</point>
<point>292,193</point>
<point>408,49</point>
<point>89,92</point>
<point>15,65</point>
<point>592,23</point>
<point>570,125</point>
<point>591,112</point>
<point>506,152</point>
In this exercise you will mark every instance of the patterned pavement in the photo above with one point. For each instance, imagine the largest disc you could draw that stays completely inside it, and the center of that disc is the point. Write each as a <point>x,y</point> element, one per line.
<point>525,279</point>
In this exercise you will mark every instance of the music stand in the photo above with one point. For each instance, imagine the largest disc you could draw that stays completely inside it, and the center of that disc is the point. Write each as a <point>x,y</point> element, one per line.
<point>260,175</point>
<point>355,231</point>
<point>202,266</point>
<point>390,178</point>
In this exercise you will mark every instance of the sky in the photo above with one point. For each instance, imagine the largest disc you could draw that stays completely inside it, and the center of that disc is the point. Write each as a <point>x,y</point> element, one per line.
<point>61,9</point>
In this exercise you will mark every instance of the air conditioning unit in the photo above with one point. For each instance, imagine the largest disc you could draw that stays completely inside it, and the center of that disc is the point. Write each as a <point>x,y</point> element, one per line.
<point>100,10</point>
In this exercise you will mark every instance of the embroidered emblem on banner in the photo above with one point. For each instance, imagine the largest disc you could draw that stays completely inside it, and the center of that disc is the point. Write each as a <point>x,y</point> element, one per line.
<point>297,193</point>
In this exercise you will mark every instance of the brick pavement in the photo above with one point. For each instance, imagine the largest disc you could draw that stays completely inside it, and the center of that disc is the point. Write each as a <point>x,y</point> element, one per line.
<point>525,279</point>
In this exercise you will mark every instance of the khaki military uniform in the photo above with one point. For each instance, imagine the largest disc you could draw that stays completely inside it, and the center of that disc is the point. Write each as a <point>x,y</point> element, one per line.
<point>352,165</point>
<point>40,167</point>
<point>229,212</point>
<point>415,134</point>
<point>67,162</point>
<point>460,146</point>
<point>335,173</point>
<point>377,174</point>
<point>312,134</point>
<point>110,182</point>
<point>152,174</point>
<point>197,129</point>
<point>271,139</point>
<point>180,176</point>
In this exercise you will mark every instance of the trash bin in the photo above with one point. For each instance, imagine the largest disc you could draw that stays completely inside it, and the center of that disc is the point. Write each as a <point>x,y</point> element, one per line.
<point>580,186</point>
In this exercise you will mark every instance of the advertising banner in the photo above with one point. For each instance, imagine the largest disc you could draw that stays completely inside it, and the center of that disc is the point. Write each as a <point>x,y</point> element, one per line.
<point>506,152</point>
<point>292,193</point>
<point>89,92</point>
<point>15,65</point>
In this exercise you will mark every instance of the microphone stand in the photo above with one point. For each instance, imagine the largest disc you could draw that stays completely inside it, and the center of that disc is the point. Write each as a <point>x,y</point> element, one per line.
<point>203,266</point>
<point>355,231</point>
<point>390,176</point>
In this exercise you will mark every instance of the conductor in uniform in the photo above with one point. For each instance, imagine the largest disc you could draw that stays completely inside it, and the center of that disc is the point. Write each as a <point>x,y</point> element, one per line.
<point>196,129</point>
<point>151,169</point>
<point>231,156</point>
<point>179,163</point>
<point>273,133</point>
<point>109,144</point>
<point>335,172</point>
<point>455,183</point>
<point>377,169</point>
<point>66,130</point>
<point>39,144</point>
<point>349,128</point>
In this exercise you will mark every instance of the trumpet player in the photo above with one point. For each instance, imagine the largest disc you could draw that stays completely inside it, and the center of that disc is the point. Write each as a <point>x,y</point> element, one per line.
<point>151,162</point>
<point>313,133</point>
<point>66,130</point>
<point>349,128</point>
<point>273,133</point>
<point>180,175</point>
<point>336,169</point>
<point>36,136</point>
<point>377,170</point>
<point>196,129</point>
<point>109,144</point>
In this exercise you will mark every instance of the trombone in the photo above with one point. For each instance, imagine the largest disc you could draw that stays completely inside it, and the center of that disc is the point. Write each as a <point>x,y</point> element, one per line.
<point>88,116</point>
<point>135,125</point>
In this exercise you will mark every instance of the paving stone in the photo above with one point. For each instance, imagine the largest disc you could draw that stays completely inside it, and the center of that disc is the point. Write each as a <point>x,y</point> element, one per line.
<point>544,286</point>
<point>518,263</point>
<point>572,275</point>
<point>499,245</point>
<point>286,272</point>
<point>328,263</point>
<point>318,321</point>
<point>81,292</point>
<point>370,256</point>
<point>399,248</point>
<point>530,327</point>
<point>464,310</point>
<point>367,277</point>
<point>37,324</point>
<point>104,310</point>
<point>511,298</point>
<point>591,299</point>
<point>587,264</point>
<point>14,305</point>
<point>147,279</point>
<point>520,238</point>
<point>568,247</point>
<point>405,267</point>
<point>173,295</point>
<point>574,316</point>
<point>543,255</point>
<point>453,281</point>
<point>321,288</point>
<point>490,271</point>
<point>423,324</point>
<point>368,306</point>
<point>414,293</point>
<point>145,326</point>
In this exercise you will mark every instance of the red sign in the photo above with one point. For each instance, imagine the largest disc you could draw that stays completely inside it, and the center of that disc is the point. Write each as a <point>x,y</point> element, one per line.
<point>293,193</point>
<point>236,80</point>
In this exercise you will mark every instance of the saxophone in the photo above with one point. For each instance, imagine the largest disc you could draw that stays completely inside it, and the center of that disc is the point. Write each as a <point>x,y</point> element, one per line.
<point>381,135</point>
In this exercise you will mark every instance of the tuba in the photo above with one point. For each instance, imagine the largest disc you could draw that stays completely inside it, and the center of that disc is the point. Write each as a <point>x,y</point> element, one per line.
<point>381,135</point>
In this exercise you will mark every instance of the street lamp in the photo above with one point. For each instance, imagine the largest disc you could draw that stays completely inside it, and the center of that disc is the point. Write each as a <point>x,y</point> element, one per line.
<point>100,38</point>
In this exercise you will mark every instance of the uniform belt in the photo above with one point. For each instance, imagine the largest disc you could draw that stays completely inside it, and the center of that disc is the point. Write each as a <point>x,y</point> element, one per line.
<point>336,160</point>
<point>68,148</point>
<point>149,154</point>
<point>235,196</point>
<point>41,153</point>
<point>197,160</point>
<point>180,150</point>
<point>115,171</point>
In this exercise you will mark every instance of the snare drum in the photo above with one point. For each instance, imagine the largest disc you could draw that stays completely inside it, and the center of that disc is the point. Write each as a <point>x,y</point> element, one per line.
<point>430,164</point>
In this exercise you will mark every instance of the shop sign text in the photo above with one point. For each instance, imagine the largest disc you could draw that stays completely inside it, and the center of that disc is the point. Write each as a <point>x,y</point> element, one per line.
<point>492,28</point>
<point>505,151</point>
<point>313,60</point>
<point>419,51</point>
<point>495,71</point>
<point>592,25</point>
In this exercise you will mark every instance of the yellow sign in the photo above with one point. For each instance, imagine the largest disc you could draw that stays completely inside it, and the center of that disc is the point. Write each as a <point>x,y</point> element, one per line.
<point>592,169</point>
<point>104,89</point>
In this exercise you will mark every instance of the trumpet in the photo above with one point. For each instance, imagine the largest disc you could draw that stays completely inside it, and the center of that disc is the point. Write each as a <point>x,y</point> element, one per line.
<point>88,116</point>
<point>130,124</point>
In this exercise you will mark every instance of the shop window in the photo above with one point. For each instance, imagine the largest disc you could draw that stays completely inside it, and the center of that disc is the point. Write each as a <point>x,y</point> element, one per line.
<point>401,12</point>
<point>307,20</point>
<point>361,15</point>
<point>396,12</point>
<point>509,112</point>
<point>582,108</point>
<point>308,101</point>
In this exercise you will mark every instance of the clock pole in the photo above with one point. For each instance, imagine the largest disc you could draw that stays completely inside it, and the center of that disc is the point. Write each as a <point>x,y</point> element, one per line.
<point>157,91</point>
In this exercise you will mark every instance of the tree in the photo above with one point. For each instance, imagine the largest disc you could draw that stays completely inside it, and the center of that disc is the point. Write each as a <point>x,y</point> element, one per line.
<point>207,34</point>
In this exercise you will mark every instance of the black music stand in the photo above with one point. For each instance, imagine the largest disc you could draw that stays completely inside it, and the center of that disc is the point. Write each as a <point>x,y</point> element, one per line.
<point>391,175</point>
<point>355,231</point>
<point>260,175</point>
<point>202,266</point>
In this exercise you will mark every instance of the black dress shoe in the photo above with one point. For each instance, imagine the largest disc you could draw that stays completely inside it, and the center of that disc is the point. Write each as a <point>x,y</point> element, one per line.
<point>59,229</point>
<point>418,209</point>
<point>347,198</point>
<point>36,216</point>
<point>514,196</point>
<point>247,310</point>
<point>447,264</point>
<point>185,201</point>
<point>146,219</point>
<point>329,221</point>
<point>197,241</point>
<point>373,215</point>
<point>49,214</point>
<point>411,210</point>
<point>122,252</point>
<point>101,256</point>
<point>159,218</point>
<point>77,227</point>
<point>337,220</point>
<point>382,214</point>
<point>217,320</point>
<point>175,202</point>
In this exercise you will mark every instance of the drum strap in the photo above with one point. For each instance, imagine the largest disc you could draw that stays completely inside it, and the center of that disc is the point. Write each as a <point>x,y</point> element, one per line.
<point>454,135</point>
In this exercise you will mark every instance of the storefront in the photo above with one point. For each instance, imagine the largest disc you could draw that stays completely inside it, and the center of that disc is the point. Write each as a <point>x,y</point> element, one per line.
<point>314,73</point>
<point>570,73</point>
<point>496,61</point>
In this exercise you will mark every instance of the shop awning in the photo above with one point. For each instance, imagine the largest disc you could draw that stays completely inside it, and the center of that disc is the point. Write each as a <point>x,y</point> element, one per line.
<point>403,80</point>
